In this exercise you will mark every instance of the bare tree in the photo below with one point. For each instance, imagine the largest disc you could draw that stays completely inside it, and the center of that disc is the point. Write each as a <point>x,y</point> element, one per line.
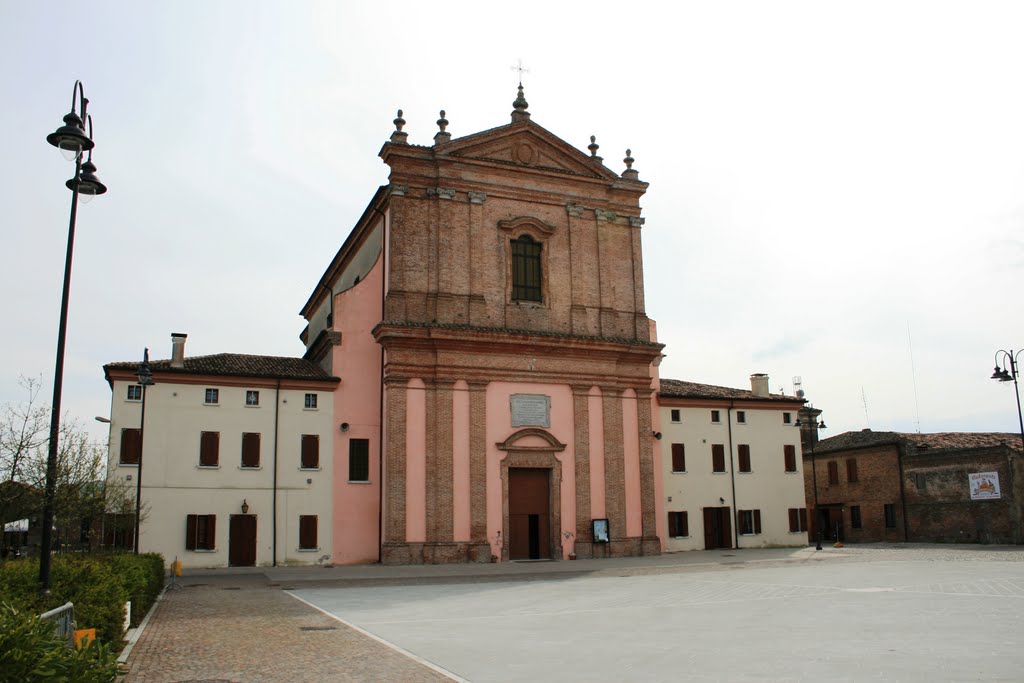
<point>23,430</point>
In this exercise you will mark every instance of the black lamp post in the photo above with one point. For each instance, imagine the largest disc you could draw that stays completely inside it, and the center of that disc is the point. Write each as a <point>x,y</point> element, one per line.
<point>145,376</point>
<point>812,438</point>
<point>1007,364</point>
<point>72,141</point>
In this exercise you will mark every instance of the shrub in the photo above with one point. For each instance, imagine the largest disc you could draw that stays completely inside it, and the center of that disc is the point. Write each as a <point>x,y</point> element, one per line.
<point>31,650</point>
<point>142,577</point>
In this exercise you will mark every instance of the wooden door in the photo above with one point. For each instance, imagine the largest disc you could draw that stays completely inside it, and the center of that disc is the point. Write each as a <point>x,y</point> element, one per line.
<point>529,514</point>
<point>717,528</point>
<point>242,541</point>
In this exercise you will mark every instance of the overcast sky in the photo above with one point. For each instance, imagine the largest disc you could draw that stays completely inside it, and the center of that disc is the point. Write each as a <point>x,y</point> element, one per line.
<point>832,184</point>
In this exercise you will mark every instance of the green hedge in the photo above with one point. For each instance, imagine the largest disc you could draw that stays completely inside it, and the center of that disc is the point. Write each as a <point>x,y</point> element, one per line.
<point>98,585</point>
<point>31,650</point>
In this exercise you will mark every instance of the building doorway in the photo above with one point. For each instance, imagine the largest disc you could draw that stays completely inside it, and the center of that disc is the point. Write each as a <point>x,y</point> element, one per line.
<point>242,541</point>
<point>529,513</point>
<point>717,528</point>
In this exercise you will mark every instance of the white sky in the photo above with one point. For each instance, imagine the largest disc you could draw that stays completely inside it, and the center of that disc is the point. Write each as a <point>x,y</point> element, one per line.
<point>823,175</point>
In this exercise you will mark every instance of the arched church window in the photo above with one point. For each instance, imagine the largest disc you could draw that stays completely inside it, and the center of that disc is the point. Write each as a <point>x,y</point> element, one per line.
<point>526,269</point>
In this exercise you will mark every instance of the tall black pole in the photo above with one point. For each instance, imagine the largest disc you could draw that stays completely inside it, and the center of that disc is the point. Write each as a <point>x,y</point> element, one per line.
<point>814,475</point>
<point>138,473</point>
<point>1016,390</point>
<point>58,384</point>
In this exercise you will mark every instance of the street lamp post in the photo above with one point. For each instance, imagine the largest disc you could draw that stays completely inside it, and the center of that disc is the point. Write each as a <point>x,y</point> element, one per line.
<point>812,438</point>
<point>72,141</point>
<point>146,380</point>
<point>1007,365</point>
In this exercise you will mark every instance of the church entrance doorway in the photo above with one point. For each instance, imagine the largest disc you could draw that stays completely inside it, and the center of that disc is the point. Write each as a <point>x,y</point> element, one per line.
<point>717,528</point>
<point>529,513</point>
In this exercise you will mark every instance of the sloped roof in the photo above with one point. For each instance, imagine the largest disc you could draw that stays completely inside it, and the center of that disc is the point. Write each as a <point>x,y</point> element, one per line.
<point>867,438</point>
<point>234,365</point>
<point>675,388</point>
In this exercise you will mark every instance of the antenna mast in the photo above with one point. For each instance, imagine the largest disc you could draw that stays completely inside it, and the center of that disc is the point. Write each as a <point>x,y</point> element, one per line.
<point>913,374</point>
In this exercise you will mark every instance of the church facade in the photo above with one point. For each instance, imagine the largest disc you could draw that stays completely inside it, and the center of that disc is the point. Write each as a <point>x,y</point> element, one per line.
<point>486,318</point>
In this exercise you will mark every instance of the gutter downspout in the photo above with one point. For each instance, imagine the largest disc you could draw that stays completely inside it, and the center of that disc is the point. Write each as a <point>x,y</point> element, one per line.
<point>380,418</point>
<point>732,479</point>
<point>273,503</point>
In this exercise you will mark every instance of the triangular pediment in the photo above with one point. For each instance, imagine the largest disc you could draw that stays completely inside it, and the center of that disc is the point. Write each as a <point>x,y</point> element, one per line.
<point>528,145</point>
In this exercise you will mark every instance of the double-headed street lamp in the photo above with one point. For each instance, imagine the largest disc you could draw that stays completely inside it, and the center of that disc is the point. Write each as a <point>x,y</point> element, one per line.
<point>145,376</point>
<point>812,438</point>
<point>72,141</point>
<point>1007,364</point>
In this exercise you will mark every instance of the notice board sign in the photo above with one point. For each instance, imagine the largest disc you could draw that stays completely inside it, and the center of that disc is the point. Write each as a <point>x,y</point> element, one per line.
<point>984,485</point>
<point>530,410</point>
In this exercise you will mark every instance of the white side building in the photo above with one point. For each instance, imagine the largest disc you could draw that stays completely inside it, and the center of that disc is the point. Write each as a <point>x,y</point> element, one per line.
<point>236,457</point>
<point>731,467</point>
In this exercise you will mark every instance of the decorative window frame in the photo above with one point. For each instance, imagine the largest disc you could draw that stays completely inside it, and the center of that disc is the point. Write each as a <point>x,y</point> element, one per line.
<point>540,232</point>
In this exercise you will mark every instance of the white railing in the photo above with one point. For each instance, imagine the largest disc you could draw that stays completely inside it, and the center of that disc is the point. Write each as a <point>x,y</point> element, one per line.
<point>63,618</point>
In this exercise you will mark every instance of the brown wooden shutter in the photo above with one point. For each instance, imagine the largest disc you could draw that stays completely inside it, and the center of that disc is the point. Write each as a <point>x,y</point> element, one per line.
<point>718,457</point>
<point>209,449</point>
<point>250,449</point>
<point>307,531</point>
<point>790,452</point>
<point>794,519</point>
<point>833,472</point>
<point>684,524</point>
<point>678,457</point>
<point>851,470</point>
<point>190,532</point>
<point>673,527</point>
<point>744,457</point>
<point>310,451</point>
<point>803,519</point>
<point>757,521</point>
<point>131,446</point>
<point>211,532</point>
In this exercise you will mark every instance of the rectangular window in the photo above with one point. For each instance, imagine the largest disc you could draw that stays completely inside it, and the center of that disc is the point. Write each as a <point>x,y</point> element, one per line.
<point>678,525</point>
<point>750,522</point>
<point>716,416</point>
<point>310,402</point>
<point>359,460</point>
<point>310,451</point>
<point>787,418</point>
<point>307,532</point>
<point>252,397</point>
<point>744,457</point>
<point>131,446</point>
<point>212,397</point>
<point>718,457</point>
<point>526,269</point>
<point>797,519</point>
<point>209,449</point>
<point>890,516</point>
<point>250,450</point>
<point>134,392</point>
<point>920,481</point>
<point>741,417</point>
<point>675,415</point>
<point>851,470</point>
<point>855,517</point>
<point>678,457</point>
<point>833,472</point>
<point>789,453</point>
<point>201,532</point>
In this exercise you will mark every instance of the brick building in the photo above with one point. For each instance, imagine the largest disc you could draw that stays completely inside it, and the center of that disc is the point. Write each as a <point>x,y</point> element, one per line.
<point>892,486</point>
<point>486,316</point>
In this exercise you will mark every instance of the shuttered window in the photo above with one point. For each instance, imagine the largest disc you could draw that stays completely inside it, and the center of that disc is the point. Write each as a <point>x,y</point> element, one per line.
<point>678,457</point>
<point>359,460</point>
<point>789,453</point>
<point>250,449</point>
<point>307,532</point>
<point>201,532</point>
<point>678,525</point>
<point>310,451</point>
<point>855,516</point>
<point>750,522</point>
<point>209,449</point>
<point>890,516</point>
<point>718,457</point>
<point>851,470</point>
<point>526,271</point>
<point>131,446</point>
<point>744,457</point>
<point>797,519</point>
<point>833,472</point>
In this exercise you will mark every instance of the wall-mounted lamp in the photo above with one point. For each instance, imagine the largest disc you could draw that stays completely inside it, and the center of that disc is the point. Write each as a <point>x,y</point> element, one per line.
<point>245,507</point>
<point>343,426</point>
<point>722,501</point>
<point>657,435</point>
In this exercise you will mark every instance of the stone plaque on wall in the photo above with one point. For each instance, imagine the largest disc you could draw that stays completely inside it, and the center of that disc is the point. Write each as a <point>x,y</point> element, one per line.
<point>530,410</point>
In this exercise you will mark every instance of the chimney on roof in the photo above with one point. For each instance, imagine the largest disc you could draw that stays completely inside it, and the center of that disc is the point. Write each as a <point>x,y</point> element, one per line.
<point>759,384</point>
<point>178,349</point>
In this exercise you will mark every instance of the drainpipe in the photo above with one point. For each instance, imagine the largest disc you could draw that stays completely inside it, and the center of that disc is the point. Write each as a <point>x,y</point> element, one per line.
<point>273,499</point>
<point>380,418</point>
<point>732,480</point>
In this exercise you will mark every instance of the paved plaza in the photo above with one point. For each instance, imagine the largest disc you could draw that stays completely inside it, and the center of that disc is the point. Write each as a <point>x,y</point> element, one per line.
<point>853,614</point>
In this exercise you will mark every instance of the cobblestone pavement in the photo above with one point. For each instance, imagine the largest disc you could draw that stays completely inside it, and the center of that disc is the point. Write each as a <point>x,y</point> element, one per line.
<point>240,628</point>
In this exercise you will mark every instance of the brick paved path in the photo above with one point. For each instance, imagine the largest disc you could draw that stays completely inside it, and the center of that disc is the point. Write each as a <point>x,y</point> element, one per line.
<point>242,629</point>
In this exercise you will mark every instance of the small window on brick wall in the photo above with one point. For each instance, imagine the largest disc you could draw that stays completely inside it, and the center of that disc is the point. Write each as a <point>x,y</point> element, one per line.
<point>678,457</point>
<point>855,517</point>
<point>678,525</point>
<point>851,470</point>
<point>833,472</point>
<point>890,516</point>
<point>743,455</point>
<point>526,269</point>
